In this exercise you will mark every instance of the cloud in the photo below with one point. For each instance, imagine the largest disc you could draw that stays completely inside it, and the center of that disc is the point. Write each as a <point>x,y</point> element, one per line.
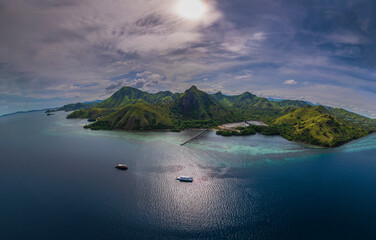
<point>243,44</point>
<point>244,74</point>
<point>290,82</point>
<point>115,86</point>
<point>153,77</point>
<point>142,83</point>
<point>142,80</point>
<point>89,41</point>
<point>347,38</point>
<point>80,50</point>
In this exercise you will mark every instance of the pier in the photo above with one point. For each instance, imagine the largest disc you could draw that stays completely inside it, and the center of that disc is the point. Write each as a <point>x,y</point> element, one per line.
<point>196,136</point>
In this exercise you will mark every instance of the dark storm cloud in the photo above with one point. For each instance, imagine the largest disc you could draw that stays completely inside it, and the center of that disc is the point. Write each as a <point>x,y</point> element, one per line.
<point>90,48</point>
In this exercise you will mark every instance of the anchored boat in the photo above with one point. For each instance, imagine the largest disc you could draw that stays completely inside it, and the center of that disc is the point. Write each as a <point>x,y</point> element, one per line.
<point>184,179</point>
<point>121,166</point>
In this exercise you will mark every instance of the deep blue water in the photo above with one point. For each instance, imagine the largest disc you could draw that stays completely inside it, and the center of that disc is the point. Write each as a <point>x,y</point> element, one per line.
<point>58,181</point>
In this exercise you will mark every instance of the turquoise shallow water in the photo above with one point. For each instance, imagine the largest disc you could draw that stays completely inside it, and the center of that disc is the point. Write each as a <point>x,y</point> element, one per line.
<point>58,181</point>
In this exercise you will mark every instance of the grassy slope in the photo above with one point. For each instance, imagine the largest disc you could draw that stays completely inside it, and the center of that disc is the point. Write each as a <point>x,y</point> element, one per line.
<point>135,117</point>
<point>292,103</point>
<point>91,113</point>
<point>316,125</point>
<point>222,99</point>
<point>249,106</point>
<point>74,106</point>
<point>356,118</point>
<point>128,95</point>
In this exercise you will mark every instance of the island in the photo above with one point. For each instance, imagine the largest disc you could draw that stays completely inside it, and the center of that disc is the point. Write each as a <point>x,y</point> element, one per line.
<point>132,109</point>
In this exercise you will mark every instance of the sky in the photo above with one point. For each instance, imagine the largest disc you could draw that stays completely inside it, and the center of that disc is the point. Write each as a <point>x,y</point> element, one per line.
<point>55,52</point>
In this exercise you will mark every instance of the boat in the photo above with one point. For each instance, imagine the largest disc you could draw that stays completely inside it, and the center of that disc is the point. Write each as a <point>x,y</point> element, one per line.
<point>184,179</point>
<point>121,166</point>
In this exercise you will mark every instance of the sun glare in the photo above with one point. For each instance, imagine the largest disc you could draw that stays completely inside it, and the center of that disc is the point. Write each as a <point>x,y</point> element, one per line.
<point>192,9</point>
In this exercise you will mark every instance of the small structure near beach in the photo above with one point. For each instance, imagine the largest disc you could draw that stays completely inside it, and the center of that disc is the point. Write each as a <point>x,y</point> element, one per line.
<point>256,123</point>
<point>233,126</point>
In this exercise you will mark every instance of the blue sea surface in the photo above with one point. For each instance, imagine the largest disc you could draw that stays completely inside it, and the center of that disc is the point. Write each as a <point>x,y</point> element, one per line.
<point>58,181</point>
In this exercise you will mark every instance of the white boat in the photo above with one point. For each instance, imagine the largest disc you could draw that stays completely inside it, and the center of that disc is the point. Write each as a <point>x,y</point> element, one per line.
<point>184,179</point>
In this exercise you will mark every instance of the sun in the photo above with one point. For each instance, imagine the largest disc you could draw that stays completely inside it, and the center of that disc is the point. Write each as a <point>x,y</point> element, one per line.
<point>191,9</point>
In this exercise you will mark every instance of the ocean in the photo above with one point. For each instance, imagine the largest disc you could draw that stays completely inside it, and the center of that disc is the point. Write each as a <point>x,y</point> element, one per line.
<point>58,181</point>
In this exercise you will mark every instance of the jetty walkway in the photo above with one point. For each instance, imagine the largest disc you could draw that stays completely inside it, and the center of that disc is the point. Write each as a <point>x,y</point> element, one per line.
<point>196,136</point>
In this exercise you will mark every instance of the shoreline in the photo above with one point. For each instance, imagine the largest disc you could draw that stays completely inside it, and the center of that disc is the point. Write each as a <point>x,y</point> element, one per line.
<point>231,127</point>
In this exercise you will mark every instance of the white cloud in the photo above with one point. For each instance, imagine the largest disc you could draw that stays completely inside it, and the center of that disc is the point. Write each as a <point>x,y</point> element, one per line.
<point>244,75</point>
<point>242,43</point>
<point>290,82</point>
<point>143,80</point>
<point>347,38</point>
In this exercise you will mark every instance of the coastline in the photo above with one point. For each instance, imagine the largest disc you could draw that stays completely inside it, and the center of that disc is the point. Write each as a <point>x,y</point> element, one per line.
<point>237,124</point>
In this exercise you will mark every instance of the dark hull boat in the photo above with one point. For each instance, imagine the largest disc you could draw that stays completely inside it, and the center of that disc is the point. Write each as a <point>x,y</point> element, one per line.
<point>121,166</point>
<point>184,179</point>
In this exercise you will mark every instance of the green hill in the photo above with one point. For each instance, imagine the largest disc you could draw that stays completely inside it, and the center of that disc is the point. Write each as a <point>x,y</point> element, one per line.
<point>248,100</point>
<point>74,106</point>
<point>129,95</point>
<point>91,113</point>
<point>194,104</point>
<point>140,116</point>
<point>249,106</point>
<point>243,100</point>
<point>356,118</point>
<point>292,103</point>
<point>316,125</point>
<point>222,99</point>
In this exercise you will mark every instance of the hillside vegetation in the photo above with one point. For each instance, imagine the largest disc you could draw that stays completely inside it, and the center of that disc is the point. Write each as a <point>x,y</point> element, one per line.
<point>133,109</point>
<point>74,106</point>
<point>315,125</point>
<point>91,114</point>
<point>197,105</point>
<point>140,116</point>
<point>249,106</point>
<point>356,118</point>
<point>128,95</point>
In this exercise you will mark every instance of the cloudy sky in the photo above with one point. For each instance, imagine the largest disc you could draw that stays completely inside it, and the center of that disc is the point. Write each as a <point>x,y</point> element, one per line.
<point>54,52</point>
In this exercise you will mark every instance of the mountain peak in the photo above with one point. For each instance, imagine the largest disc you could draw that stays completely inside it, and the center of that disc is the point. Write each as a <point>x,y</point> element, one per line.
<point>219,96</point>
<point>129,88</point>
<point>196,104</point>
<point>248,94</point>
<point>193,88</point>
